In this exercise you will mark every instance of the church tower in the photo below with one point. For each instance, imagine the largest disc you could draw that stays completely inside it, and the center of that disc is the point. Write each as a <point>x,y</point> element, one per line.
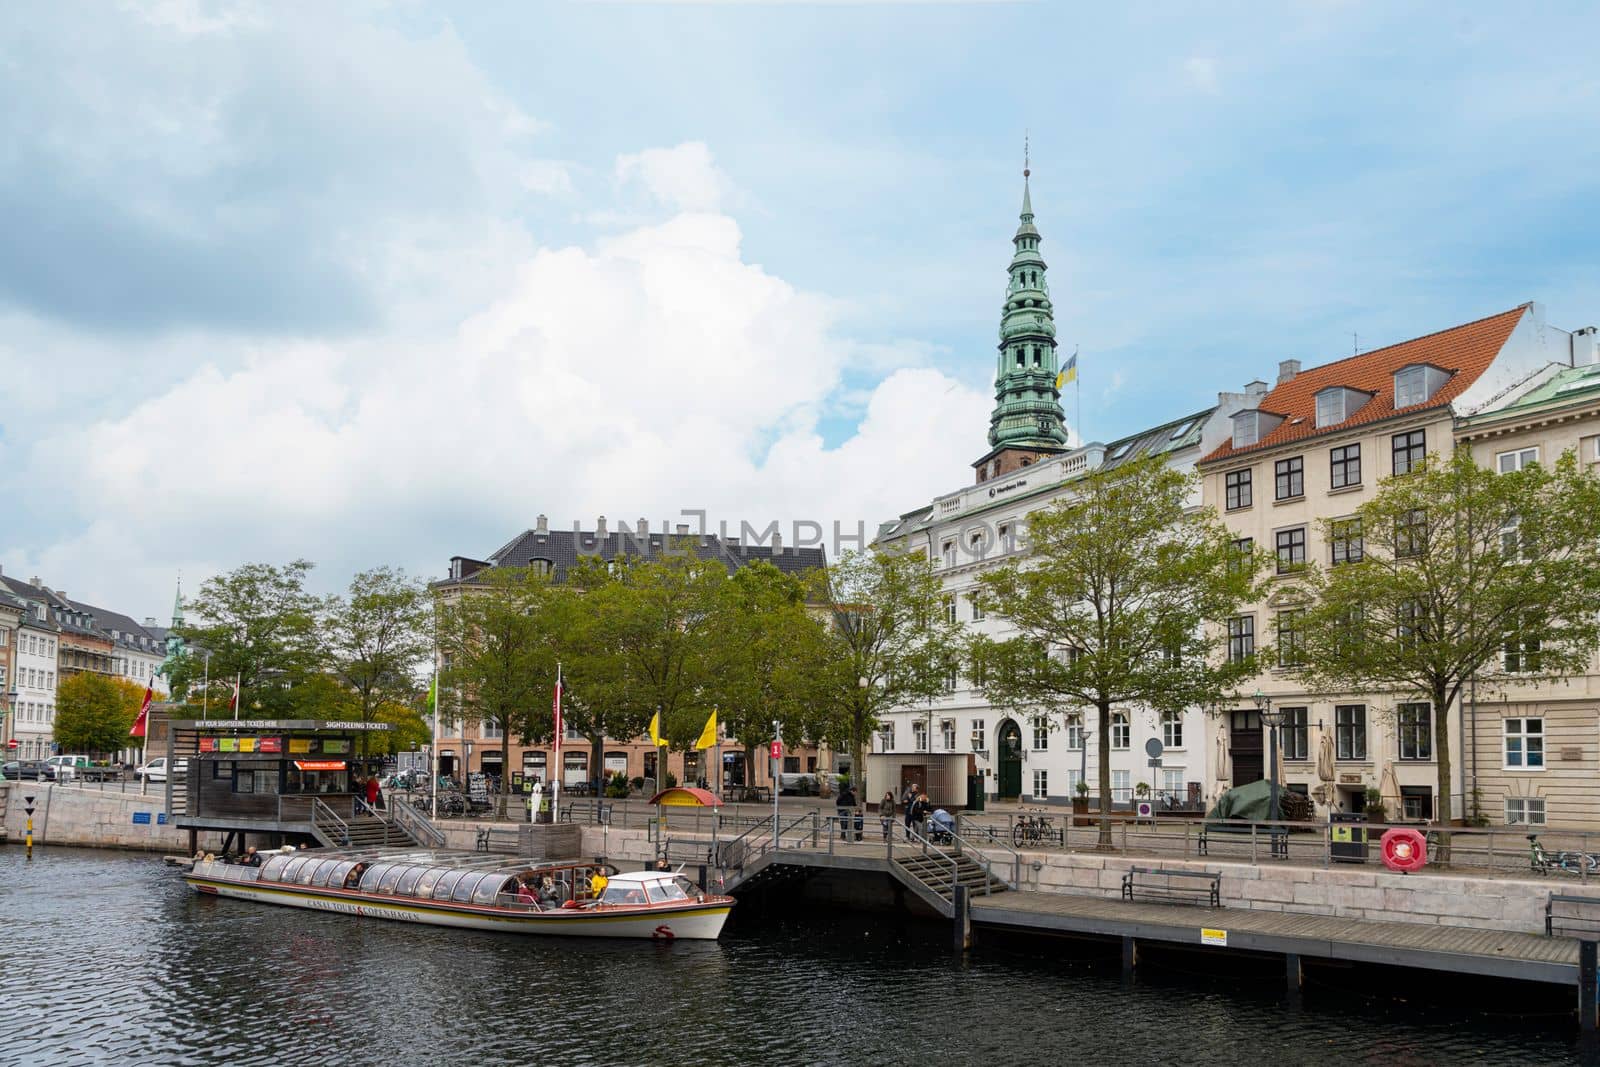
<point>1027,423</point>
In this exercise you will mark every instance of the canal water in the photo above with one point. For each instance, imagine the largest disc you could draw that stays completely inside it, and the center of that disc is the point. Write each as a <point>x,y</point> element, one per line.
<point>107,957</point>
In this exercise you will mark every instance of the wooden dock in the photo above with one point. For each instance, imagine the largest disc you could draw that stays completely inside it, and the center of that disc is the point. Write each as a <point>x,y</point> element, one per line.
<point>1529,957</point>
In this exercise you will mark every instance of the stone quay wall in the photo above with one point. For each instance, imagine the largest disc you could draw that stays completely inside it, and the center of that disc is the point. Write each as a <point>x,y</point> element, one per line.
<point>1359,891</point>
<point>71,815</point>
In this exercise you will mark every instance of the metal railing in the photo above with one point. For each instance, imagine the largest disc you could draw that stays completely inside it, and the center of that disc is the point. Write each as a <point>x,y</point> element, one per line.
<point>328,821</point>
<point>420,829</point>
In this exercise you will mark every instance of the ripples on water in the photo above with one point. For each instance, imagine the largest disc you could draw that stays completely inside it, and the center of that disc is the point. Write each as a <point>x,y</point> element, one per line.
<point>108,958</point>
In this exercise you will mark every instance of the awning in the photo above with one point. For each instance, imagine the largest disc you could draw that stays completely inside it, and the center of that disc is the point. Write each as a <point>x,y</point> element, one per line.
<point>686,797</point>
<point>320,764</point>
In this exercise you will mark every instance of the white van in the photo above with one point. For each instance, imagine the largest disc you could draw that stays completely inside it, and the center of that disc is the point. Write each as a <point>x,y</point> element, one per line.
<point>156,769</point>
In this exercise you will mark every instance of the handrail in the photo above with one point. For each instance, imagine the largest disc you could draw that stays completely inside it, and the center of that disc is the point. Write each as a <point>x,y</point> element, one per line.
<point>318,807</point>
<point>1015,881</point>
<point>420,829</point>
<point>955,858</point>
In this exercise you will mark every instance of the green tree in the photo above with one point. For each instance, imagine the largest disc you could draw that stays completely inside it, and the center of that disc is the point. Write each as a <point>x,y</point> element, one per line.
<point>767,655</point>
<point>94,713</point>
<point>1462,573</point>
<point>377,636</point>
<point>497,640</point>
<point>1111,604</point>
<point>887,642</point>
<point>259,625</point>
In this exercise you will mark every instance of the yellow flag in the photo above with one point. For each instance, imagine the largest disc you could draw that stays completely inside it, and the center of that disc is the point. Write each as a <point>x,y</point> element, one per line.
<point>708,736</point>
<point>655,729</point>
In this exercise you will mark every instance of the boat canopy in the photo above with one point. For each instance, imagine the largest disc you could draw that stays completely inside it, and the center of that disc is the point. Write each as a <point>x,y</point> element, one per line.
<point>473,879</point>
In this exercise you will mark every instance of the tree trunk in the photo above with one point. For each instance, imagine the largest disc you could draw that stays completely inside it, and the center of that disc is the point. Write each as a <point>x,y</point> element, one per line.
<point>1441,755</point>
<point>749,766</point>
<point>1105,773</point>
<point>597,766</point>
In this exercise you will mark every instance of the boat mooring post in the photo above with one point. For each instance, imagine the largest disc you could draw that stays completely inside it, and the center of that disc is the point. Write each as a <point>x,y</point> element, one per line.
<point>1588,988</point>
<point>27,810</point>
<point>962,925</point>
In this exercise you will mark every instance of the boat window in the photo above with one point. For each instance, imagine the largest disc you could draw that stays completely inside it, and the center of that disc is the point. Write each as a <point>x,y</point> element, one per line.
<point>688,888</point>
<point>464,888</point>
<point>369,881</point>
<point>491,885</point>
<point>340,871</point>
<point>408,881</point>
<point>430,878</point>
<point>291,873</point>
<point>274,868</point>
<point>620,894</point>
<point>308,873</point>
<point>446,884</point>
<point>663,891</point>
<point>390,877</point>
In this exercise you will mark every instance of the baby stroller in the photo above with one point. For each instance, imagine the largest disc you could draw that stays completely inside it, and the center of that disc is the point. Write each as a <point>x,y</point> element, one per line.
<point>942,828</point>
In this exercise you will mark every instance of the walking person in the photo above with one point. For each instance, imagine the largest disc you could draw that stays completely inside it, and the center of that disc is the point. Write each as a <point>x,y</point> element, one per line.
<point>909,801</point>
<point>886,812</point>
<point>844,807</point>
<point>918,815</point>
<point>373,791</point>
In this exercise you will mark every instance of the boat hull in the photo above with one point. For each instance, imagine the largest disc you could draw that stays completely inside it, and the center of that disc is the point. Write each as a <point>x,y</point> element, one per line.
<point>696,921</point>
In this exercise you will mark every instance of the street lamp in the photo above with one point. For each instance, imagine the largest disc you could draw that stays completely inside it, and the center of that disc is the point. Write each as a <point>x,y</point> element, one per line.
<point>1271,718</point>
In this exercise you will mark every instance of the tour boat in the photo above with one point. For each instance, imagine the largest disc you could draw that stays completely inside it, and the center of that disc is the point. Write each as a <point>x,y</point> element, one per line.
<point>473,891</point>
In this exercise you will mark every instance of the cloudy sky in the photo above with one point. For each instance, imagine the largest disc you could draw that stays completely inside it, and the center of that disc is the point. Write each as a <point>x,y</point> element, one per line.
<point>379,283</point>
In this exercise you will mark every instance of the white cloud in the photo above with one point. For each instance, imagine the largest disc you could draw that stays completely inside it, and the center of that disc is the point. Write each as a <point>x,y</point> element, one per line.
<point>652,372</point>
<point>683,178</point>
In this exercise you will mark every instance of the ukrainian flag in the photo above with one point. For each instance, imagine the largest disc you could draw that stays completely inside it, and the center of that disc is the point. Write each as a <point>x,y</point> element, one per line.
<point>1069,372</point>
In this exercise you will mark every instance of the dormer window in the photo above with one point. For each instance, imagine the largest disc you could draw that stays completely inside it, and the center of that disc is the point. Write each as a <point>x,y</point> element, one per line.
<point>1339,403</point>
<point>1417,383</point>
<point>1250,427</point>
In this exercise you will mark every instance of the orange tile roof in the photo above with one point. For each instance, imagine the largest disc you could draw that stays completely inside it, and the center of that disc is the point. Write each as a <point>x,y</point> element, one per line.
<point>1466,351</point>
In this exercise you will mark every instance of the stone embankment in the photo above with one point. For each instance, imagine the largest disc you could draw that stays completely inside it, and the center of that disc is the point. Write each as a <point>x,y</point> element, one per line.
<point>75,815</point>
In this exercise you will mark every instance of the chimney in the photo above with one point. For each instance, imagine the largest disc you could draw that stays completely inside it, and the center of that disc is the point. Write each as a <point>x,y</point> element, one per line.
<point>542,525</point>
<point>643,528</point>
<point>600,527</point>
<point>149,620</point>
<point>34,581</point>
<point>1585,347</point>
<point>1255,388</point>
<point>1287,369</point>
<point>683,528</point>
<point>777,541</point>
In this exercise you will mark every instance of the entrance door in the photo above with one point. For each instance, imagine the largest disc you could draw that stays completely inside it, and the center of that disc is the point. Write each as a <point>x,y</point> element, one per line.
<point>914,774</point>
<point>1245,744</point>
<point>1010,753</point>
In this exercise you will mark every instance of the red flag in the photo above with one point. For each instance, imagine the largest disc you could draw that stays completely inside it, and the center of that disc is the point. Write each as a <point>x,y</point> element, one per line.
<point>144,710</point>
<point>557,709</point>
<point>233,701</point>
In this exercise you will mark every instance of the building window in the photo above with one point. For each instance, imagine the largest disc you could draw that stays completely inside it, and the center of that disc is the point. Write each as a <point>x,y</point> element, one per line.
<point>947,553</point>
<point>1073,778</point>
<point>919,735</point>
<point>1524,811</point>
<point>1291,549</point>
<point>1345,466</point>
<point>1515,460</point>
<point>1239,558</point>
<point>1119,732</point>
<point>1290,650</point>
<point>1238,491</point>
<point>886,737</point>
<point>1075,733</point>
<point>1416,731</point>
<point>1330,407</point>
<point>950,610</point>
<point>1172,783</point>
<point>1411,534</point>
<point>1511,544</point>
<point>1410,387</point>
<point>1172,729</point>
<point>1522,650</point>
<point>1408,450</point>
<point>977,610</point>
<point>1041,784</point>
<point>1291,477</point>
<point>1410,621</point>
<point>1121,789</point>
<point>1344,541</point>
<point>1524,744</point>
<point>979,737</point>
<point>1292,739</point>
<point>1416,802</point>
<point>1350,731</point>
<point>947,732</point>
<point>951,679</point>
<point>1041,733</point>
<point>1241,638</point>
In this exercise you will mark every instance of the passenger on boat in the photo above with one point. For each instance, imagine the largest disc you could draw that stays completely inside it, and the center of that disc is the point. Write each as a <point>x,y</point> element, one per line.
<point>597,883</point>
<point>547,891</point>
<point>353,879</point>
<point>251,857</point>
<point>527,892</point>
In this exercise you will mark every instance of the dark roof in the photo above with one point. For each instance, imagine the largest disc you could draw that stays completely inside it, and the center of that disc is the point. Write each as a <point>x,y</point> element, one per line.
<point>562,549</point>
<point>28,595</point>
<point>1465,351</point>
<point>74,616</point>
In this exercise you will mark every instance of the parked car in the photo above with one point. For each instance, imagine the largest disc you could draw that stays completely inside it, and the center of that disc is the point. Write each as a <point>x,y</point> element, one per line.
<point>64,768</point>
<point>24,770</point>
<point>156,769</point>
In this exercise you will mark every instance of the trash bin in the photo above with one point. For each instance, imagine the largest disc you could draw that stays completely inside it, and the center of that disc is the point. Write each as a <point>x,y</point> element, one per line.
<point>974,792</point>
<point>1347,837</point>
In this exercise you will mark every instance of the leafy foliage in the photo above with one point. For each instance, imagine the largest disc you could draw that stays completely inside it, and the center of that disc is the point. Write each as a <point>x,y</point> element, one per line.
<point>1111,604</point>
<point>1463,572</point>
<point>377,637</point>
<point>94,713</point>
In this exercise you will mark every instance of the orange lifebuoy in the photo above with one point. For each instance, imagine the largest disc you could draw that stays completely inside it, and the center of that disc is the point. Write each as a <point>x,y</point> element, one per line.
<point>1403,849</point>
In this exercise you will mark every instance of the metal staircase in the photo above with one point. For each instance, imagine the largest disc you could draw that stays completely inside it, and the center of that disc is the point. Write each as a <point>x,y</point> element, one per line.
<point>364,828</point>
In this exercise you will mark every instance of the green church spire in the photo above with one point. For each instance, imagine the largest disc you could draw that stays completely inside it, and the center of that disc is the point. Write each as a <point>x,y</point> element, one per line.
<point>1027,409</point>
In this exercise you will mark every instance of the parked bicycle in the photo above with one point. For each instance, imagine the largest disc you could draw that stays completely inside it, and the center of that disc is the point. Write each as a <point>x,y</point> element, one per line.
<point>1543,861</point>
<point>1033,830</point>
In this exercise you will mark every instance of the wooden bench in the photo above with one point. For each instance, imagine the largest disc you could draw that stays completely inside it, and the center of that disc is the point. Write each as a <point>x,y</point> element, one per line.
<point>1162,883</point>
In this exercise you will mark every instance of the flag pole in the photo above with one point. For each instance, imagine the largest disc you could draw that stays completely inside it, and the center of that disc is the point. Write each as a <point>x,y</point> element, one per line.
<point>433,749</point>
<point>205,690</point>
<point>555,793</point>
<point>238,694</point>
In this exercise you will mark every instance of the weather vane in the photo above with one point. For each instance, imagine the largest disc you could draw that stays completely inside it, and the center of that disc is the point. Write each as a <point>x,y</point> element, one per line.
<point>1024,153</point>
